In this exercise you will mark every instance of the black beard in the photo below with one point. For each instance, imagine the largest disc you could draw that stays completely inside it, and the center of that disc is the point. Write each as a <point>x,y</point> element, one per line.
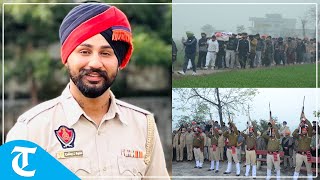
<point>93,91</point>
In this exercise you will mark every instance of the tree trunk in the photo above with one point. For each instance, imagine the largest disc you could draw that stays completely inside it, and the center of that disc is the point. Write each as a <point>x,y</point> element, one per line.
<point>33,90</point>
<point>303,22</point>
<point>33,83</point>
<point>219,106</point>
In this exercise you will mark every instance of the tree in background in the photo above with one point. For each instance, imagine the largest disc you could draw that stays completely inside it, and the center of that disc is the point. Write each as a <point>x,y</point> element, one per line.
<point>208,29</point>
<point>304,21</point>
<point>312,16</point>
<point>223,101</point>
<point>240,28</point>
<point>316,114</point>
<point>29,30</point>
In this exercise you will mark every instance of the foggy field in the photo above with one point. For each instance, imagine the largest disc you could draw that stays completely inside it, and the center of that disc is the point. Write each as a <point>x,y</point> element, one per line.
<point>280,76</point>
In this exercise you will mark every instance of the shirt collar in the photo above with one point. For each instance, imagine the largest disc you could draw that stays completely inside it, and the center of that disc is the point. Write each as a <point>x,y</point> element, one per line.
<point>74,111</point>
<point>114,110</point>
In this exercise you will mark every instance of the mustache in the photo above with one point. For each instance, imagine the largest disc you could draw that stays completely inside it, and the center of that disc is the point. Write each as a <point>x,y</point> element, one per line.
<point>84,72</point>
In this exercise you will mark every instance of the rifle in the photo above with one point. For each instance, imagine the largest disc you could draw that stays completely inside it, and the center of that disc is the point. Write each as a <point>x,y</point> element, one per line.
<point>249,123</point>
<point>229,118</point>
<point>270,124</point>
<point>302,119</point>
<point>212,127</point>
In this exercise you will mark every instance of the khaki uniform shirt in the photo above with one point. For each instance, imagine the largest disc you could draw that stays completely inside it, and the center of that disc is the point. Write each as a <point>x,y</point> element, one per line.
<point>273,143</point>
<point>232,137</point>
<point>116,147</point>
<point>182,140</point>
<point>214,139</point>
<point>198,141</point>
<point>208,141</point>
<point>250,140</point>
<point>204,138</point>
<point>221,141</point>
<point>304,141</point>
<point>189,138</point>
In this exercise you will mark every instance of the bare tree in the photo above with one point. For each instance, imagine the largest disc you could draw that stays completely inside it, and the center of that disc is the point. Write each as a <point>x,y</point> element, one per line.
<point>224,101</point>
<point>240,28</point>
<point>208,29</point>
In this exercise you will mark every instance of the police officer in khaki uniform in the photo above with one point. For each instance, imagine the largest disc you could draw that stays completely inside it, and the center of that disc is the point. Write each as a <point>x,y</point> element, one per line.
<point>179,144</point>
<point>303,151</point>
<point>232,135</point>
<point>221,144</point>
<point>251,156</point>
<point>189,143</point>
<point>213,149</point>
<point>207,142</point>
<point>273,157</point>
<point>198,146</point>
<point>86,128</point>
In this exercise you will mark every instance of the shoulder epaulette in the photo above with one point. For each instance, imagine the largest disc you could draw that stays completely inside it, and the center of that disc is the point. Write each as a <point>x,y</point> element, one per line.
<point>33,112</point>
<point>130,106</point>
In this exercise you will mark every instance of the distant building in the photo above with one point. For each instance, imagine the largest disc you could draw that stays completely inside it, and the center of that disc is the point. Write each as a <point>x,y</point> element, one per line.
<point>276,26</point>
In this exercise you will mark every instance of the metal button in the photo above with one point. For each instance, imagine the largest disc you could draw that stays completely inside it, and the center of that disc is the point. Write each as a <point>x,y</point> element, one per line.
<point>104,169</point>
<point>99,133</point>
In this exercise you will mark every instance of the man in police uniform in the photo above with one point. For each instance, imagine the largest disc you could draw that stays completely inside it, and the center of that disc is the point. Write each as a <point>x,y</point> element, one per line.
<point>221,144</point>
<point>198,146</point>
<point>303,151</point>
<point>214,150</point>
<point>251,156</point>
<point>86,128</point>
<point>273,157</point>
<point>179,144</point>
<point>232,136</point>
<point>189,144</point>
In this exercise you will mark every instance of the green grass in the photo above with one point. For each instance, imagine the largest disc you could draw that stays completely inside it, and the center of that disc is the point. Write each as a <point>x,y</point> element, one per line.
<point>301,76</point>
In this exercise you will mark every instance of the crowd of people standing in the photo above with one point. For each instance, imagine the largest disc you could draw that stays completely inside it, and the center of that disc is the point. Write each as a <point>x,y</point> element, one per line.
<point>242,50</point>
<point>219,143</point>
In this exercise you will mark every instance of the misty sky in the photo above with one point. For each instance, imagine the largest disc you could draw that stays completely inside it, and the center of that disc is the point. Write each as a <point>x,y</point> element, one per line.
<point>286,104</point>
<point>191,17</point>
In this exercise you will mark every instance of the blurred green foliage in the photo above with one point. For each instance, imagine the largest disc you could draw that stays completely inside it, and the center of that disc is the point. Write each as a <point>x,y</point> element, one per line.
<point>31,29</point>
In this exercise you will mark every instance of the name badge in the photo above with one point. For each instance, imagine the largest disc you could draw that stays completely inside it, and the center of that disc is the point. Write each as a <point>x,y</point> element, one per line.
<point>69,154</point>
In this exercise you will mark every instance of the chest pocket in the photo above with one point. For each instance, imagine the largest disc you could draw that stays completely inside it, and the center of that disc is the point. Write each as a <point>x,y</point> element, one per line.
<point>79,166</point>
<point>131,166</point>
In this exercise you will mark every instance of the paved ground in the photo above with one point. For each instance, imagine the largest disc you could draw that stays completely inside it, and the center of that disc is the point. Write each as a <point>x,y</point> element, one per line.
<point>186,168</point>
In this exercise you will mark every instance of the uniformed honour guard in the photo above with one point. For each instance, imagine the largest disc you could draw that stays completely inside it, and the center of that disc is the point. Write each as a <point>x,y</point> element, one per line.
<point>189,143</point>
<point>303,135</point>
<point>214,155</point>
<point>179,144</point>
<point>273,157</point>
<point>251,157</point>
<point>198,146</point>
<point>232,136</point>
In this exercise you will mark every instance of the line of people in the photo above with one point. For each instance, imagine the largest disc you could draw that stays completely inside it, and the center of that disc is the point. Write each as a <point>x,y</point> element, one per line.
<point>241,50</point>
<point>217,143</point>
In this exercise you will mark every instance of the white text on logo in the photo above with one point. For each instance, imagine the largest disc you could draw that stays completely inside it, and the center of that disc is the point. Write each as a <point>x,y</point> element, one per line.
<point>15,166</point>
